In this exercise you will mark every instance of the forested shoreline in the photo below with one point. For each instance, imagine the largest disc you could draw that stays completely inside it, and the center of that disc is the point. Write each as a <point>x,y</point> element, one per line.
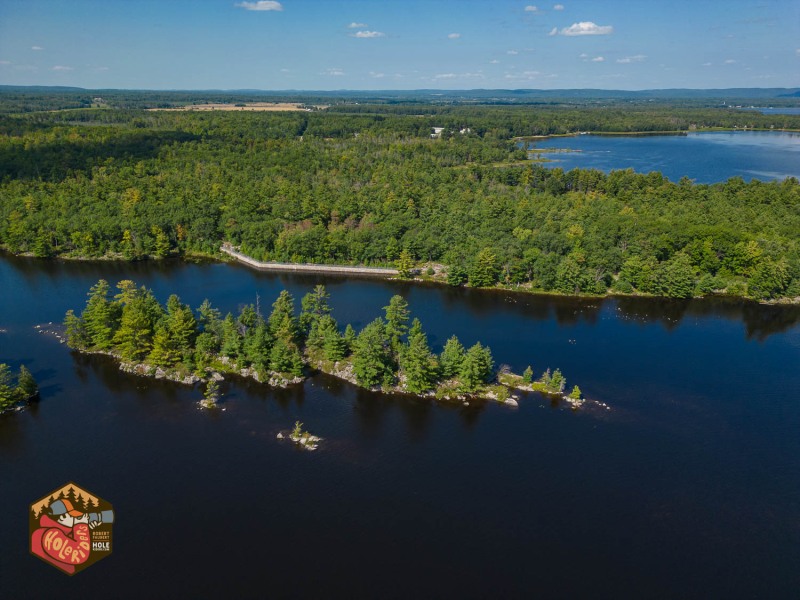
<point>389,354</point>
<point>368,185</point>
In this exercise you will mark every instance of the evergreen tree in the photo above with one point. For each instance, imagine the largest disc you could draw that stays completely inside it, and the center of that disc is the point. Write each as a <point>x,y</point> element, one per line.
<point>557,382</point>
<point>476,367</point>
<point>134,338</point>
<point>451,358</point>
<point>164,352</point>
<point>457,276</point>
<point>284,357</point>
<point>75,331</point>
<point>26,384</point>
<point>7,396</point>
<point>527,375</point>
<point>100,316</point>
<point>676,277</point>
<point>314,305</point>
<point>405,264</point>
<point>416,362</point>
<point>209,319</point>
<point>181,324</point>
<point>231,344</point>
<point>257,346</point>
<point>371,356</point>
<point>211,395</point>
<point>484,271</point>
<point>349,338</point>
<point>397,314</point>
<point>575,394</point>
<point>282,322</point>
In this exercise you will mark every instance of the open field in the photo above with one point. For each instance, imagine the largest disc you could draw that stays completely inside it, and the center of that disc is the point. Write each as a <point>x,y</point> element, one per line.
<point>253,106</point>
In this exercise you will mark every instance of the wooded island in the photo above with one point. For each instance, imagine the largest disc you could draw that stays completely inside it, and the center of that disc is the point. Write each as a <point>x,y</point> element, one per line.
<point>389,354</point>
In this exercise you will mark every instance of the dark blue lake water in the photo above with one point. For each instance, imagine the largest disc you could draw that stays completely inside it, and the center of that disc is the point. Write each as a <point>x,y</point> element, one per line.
<point>689,487</point>
<point>705,157</point>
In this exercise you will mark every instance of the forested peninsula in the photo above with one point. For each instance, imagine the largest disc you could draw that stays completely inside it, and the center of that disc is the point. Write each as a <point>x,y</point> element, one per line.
<point>390,354</point>
<point>360,184</point>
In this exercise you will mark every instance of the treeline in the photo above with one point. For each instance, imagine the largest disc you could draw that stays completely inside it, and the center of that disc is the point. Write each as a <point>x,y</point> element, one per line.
<point>391,352</point>
<point>364,189</point>
<point>15,390</point>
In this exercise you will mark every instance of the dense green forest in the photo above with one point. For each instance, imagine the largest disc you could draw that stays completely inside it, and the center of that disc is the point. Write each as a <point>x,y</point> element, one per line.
<point>360,184</point>
<point>391,352</point>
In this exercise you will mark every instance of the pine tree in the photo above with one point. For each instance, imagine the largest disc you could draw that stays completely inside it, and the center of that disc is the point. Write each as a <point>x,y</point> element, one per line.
<point>397,314</point>
<point>75,331</point>
<point>100,316</point>
<point>209,318</point>
<point>527,375</point>
<point>349,338</point>
<point>557,382</point>
<point>575,394</point>
<point>314,306</point>
<point>405,264</point>
<point>371,357</point>
<point>257,346</point>
<point>26,384</point>
<point>484,271</point>
<point>282,322</point>
<point>457,276</point>
<point>451,358</point>
<point>134,338</point>
<point>211,395</point>
<point>476,367</point>
<point>231,345</point>
<point>7,396</point>
<point>284,357</point>
<point>181,324</point>
<point>416,362</point>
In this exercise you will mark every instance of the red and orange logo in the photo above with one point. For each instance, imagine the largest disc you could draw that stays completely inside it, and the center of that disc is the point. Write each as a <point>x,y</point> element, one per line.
<point>70,528</point>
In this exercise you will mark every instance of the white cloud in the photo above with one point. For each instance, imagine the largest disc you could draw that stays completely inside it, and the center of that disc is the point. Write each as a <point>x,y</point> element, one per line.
<point>730,61</point>
<point>441,76</point>
<point>553,31</point>
<point>583,55</point>
<point>513,52</point>
<point>531,8</point>
<point>586,28</point>
<point>797,52</point>
<point>598,59</point>
<point>260,5</point>
<point>453,36</point>
<point>334,72</point>
<point>284,70</point>
<point>631,59</point>
<point>377,75</point>
<point>494,62</point>
<point>5,62</point>
<point>36,48</point>
<point>524,76</point>
<point>355,25</point>
<point>62,68</point>
<point>100,69</point>
<point>558,7</point>
<point>706,64</point>
<point>368,34</point>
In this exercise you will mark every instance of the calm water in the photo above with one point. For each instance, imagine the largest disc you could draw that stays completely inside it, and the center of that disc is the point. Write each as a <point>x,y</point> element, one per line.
<point>705,157</point>
<point>689,487</point>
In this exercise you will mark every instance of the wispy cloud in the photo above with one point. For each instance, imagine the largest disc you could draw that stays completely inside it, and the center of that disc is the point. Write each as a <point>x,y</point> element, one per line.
<point>586,28</point>
<point>553,31</point>
<point>453,36</point>
<point>706,64</point>
<point>334,72</point>
<point>631,59</point>
<point>513,52</point>
<point>377,75</point>
<point>494,62</point>
<point>101,69</point>
<point>260,5</point>
<point>531,8</point>
<point>730,61</point>
<point>368,34</point>
<point>598,59</point>
<point>525,76</point>
<point>355,25</point>
<point>558,7</point>
<point>36,48</point>
<point>62,68</point>
<point>797,52</point>
<point>5,62</point>
<point>446,76</point>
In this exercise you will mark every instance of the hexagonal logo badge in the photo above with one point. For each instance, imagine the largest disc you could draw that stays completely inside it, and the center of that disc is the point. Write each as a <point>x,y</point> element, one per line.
<point>70,528</point>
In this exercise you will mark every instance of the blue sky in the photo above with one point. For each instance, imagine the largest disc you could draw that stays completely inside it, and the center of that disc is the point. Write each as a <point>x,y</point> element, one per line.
<point>400,44</point>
